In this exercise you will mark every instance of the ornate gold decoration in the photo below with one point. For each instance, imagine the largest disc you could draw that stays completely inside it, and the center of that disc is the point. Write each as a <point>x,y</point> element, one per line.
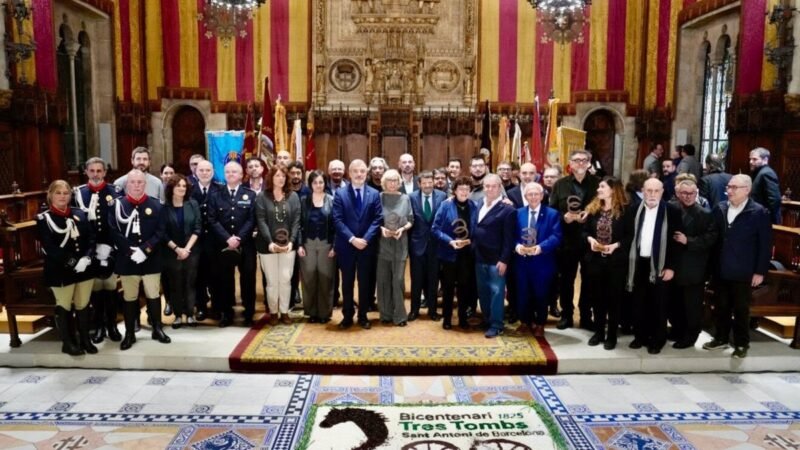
<point>5,98</point>
<point>345,75</point>
<point>444,76</point>
<point>386,16</point>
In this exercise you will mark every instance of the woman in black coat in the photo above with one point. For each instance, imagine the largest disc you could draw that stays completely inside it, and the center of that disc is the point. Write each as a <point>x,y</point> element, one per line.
<point>182,217</point>
<point>67,242</point>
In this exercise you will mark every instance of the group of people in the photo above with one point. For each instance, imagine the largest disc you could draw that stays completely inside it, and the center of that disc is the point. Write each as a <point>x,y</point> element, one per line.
<point>509,246</point>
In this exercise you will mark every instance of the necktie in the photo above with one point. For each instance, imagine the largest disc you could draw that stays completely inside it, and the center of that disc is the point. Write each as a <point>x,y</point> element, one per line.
<point>426,208</point>
<point>205,191</point>
<point>532,219</point>
<point>359,203</point>
<point>233,193</point>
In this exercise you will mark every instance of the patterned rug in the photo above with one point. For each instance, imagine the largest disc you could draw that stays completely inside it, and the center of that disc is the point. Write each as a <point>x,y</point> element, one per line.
<point>421,348</point>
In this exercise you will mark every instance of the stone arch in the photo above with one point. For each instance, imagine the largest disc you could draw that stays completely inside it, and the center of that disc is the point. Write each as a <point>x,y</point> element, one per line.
<point>162,144</point>
<point>605,144</point>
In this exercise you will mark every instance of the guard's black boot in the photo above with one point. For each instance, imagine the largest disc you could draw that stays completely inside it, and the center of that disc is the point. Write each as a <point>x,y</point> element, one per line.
<point>130,310</point>
<point>83,331</point>
<point>97,303</point>
<point>62,319</point>
<point>110,302</point>
<point>154,308</point>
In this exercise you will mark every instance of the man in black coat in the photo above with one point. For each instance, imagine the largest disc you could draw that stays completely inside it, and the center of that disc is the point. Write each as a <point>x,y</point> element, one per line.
<point>651,266</point>
<point>766,190</point>
<point>423,246</point>
<point>202,191</point>
<point>713,183</point>
<point>231,218</point>
<point>697,238</point>
<point>137,231</point>
<point>744,251</point>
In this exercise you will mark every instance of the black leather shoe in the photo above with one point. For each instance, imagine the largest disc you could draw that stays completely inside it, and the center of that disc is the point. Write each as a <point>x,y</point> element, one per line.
<point>365,324</point>
<point>610,344</point>
<point>635,344</point>
<point>564,323</point>
<point>555,312</point>
<point>653,350</point>
<point>447,326</point>
<point>435,317</point>
<point>225,321</point>
<point>464,326</point>
<point>596,339</point>
<point>200,316</point>
<point>345,324</point>
<point>682,344</point>
<point>402,324</point>
<point>412,316</point>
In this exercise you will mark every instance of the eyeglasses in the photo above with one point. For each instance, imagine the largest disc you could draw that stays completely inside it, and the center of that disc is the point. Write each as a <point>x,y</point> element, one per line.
<point>733,187</point>
<point>688,193</point>
<point>580,160</point>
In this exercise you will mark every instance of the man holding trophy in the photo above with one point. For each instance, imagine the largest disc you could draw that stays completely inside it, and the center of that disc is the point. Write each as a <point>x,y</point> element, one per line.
<point>538,238</point>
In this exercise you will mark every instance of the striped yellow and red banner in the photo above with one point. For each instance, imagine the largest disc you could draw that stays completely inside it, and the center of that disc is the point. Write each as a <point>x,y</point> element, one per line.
<point>180,53</point>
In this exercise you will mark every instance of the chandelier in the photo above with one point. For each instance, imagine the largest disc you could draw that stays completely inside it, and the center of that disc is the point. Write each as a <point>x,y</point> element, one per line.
<point>562,20</point>
<point>227,19</point>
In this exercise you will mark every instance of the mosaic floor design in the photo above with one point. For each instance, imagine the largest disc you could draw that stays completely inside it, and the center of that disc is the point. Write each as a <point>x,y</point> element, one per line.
<point>86,409</point>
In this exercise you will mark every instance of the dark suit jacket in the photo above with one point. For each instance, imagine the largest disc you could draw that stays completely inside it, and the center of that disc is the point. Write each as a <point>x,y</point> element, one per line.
<point>712,187</point>
<point>515,195</point>
<point>59,262</point>
<point>206,237</point>
<point>767,192</point>
<point>745,244</point>
<point>701,236</point>
<point>548,237</point>
<point>403,185</point>
<point>192,223</point>
<point>421,236</point>
<point>494,235</point>
<point>232,217</point>
<point>444,230</point>
<point>349,223</point>
<point>152,229</point>
<point>621,231</point>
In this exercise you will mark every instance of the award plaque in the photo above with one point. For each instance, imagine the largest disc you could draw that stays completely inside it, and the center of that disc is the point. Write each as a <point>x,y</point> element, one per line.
<point>280,236</point>
<point>460,229</point>
<point>574,204</point>
<point>529,237</point>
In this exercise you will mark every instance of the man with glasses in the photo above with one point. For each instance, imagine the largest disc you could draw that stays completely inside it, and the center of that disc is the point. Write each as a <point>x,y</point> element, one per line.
<point>745,236</point>
<point>697,238</point>
<point>570,196</point>
<point>193,161</point>
<point>504,170</point>
<point>549,178</point>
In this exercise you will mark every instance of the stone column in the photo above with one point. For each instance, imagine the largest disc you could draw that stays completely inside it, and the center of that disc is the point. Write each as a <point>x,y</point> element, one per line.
<point>794,84</point>
<point>3,63</point>
<point>72,50</point>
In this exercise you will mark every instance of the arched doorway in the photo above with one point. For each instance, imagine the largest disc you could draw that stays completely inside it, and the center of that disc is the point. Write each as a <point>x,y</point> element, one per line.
<point>600,133</point>
<point>188,137</point>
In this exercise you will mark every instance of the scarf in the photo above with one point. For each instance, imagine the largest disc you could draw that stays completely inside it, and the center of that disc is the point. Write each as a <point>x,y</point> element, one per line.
<point>659,245</point>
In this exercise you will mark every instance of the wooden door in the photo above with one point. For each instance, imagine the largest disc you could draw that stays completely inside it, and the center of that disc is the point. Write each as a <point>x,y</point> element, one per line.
<point>188,137</point>
<point>600,131</point>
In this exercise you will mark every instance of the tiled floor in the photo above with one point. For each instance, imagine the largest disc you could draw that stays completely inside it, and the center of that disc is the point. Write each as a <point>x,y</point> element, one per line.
<point>72,408</point>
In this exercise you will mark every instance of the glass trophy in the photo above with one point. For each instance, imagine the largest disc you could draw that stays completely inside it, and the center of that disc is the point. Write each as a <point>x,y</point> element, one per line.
<point>460,229</point>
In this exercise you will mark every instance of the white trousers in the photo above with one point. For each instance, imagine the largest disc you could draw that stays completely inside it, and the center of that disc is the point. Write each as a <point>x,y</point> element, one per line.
<point>278,269</point>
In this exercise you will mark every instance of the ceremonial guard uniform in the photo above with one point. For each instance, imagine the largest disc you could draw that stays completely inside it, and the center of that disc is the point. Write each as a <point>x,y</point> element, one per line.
<point>96,202</point>
<point>68,245</point>
<point>137,227</point>
<point>207,246</point>
<point>231,213</point>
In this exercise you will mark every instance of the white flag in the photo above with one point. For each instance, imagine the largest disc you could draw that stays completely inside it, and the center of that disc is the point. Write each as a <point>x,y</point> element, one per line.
<point>516,144</point>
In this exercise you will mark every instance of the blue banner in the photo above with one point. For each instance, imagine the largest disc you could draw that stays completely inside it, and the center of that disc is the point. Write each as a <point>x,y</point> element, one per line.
<point>223,147</point>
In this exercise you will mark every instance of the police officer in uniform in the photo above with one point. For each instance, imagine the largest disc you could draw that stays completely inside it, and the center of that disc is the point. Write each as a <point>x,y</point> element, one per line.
<point>230,216</point>
<point>202,191</point>
<point>95,198</point>
<point>137,228</point>
<point>68,243</point>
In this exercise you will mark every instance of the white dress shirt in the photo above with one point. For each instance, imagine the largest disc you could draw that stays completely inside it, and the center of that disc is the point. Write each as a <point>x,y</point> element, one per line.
<point>648,231</point>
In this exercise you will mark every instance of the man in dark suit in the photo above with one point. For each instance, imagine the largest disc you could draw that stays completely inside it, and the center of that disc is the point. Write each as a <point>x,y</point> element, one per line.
<point>357,216</point>
<point>230,216</point>
<point>194,160</point>
<point>408,182</point>
<point>494,245</point>
<point>766,191</point>
<point>651,266</point>
<point>697,238</point>
<point>335,176</point>
<point>745,241</point>
<point>527,175</point>
<point>137,232</point>
<point>202,191</point>
<point>713,183</point>
<point>423,246</point>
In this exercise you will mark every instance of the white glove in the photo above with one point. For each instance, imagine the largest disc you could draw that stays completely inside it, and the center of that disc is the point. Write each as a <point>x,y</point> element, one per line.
<point>138,255</point>
<point>102,251</point>
<point>82,264</point>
